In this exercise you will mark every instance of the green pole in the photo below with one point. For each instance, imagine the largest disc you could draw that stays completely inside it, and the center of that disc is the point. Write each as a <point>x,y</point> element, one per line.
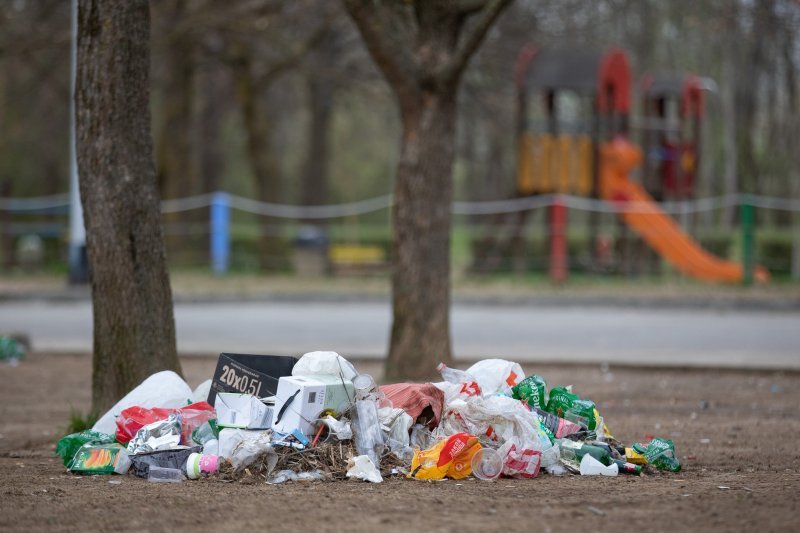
<point>748,241</point>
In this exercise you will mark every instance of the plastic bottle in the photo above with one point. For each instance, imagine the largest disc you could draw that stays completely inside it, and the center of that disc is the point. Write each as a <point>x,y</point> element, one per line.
<point>367,430</point>
<point>158,474</point>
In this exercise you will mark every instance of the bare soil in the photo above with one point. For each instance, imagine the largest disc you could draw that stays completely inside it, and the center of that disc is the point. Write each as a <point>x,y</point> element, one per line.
<point>735,434</point>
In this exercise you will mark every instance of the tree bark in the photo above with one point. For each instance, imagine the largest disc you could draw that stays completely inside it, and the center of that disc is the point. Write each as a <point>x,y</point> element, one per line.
<point>421,241</point>
<point>134,329</point>
<point>422,48</point>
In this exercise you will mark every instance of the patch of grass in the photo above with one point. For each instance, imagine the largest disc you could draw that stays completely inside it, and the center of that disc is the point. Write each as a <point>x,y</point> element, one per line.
<point>79,422</point>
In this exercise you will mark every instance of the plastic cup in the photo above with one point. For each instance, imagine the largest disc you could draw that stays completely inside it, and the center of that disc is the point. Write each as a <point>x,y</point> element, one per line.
<point>487,464</point>
<point>363,384</point>
<point>592,467</point>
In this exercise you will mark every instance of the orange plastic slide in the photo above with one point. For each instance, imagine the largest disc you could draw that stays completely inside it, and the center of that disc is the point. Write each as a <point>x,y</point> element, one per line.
<point>657,228</point>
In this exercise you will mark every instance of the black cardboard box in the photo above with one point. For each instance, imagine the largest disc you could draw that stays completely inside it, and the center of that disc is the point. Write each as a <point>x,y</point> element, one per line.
<point>249,374</point>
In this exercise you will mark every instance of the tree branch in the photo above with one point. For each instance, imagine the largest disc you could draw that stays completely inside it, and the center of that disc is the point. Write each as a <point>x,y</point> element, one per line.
<point>472,39</point>
<point>389,50</point>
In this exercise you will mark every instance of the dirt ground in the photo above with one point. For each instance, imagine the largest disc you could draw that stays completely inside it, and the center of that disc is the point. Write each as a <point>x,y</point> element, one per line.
<point>735,434</point>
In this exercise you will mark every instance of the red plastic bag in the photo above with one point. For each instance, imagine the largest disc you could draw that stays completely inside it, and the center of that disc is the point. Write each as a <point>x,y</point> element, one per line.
<point>132,419</point>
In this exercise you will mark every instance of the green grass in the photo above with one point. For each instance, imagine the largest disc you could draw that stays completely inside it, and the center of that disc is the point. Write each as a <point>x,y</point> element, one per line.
<point>80,422</point>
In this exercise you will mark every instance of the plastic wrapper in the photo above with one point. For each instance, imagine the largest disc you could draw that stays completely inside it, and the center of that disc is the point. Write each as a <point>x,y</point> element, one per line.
<point>497,420</point>
<point>340,428</point>
<point>635,457</point>
<point>175,459</point>
<point>418,400</point>
<point>451,457</point>
<point>362,467</point>
<point>661,454</point>
<point>582,412</point>
<point>282,476</point>
<point>457,385</point>
<point>520,459</point>
<point>242,447</point>
<point>69,445</point>
<point>250,448</point>
<point>395,423</point>
<point>421,437</point>
<point>496,375</point>
<point>101,459</point>
<point>206,432</point>
<point>558,427</point>
<point>561,399</point>
<point>531,390</point>
<point>134,418</point>
<point>159,435</point>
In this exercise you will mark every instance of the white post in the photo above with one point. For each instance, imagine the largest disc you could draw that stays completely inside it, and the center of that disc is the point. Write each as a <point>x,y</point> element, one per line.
<point>78,270</point>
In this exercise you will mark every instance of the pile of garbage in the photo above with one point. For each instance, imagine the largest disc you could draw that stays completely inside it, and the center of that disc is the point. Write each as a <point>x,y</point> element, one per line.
<point>322,420</point>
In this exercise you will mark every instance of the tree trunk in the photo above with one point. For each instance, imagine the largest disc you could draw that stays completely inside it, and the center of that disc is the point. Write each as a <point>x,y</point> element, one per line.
<point>421,266</point>
<point>422,47</point>
<point>134,329</point>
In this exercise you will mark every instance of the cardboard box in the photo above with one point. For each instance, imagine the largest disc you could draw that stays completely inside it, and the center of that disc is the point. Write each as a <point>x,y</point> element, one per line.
<point>244,411</point>
<point>300,400</point>
<point>249,374</point>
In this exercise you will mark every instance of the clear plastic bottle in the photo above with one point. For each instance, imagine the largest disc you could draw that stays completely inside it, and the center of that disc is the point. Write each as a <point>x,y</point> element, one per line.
<point>158,474</point>
<point>367,430</point>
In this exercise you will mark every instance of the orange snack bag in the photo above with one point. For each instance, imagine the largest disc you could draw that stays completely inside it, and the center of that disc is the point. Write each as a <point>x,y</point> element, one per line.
<point>451,457</point>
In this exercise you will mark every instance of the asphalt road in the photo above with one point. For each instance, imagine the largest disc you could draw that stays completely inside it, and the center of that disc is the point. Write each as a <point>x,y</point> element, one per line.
<point>673,337</point>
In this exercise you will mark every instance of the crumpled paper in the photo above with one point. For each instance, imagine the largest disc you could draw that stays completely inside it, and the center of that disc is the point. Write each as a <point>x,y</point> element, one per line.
<point>160,435</point>
<point>362,467</point>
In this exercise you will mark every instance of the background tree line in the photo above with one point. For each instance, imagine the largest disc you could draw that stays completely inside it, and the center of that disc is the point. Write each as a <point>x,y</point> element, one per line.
<point>261,99</point>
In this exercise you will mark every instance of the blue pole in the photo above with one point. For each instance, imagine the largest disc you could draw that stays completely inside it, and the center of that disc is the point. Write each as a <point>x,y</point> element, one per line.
<point>220,233</point>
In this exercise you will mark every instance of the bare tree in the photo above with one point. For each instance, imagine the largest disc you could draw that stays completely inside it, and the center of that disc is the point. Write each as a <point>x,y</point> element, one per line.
<point>134,329</point>
<point>422,48</point>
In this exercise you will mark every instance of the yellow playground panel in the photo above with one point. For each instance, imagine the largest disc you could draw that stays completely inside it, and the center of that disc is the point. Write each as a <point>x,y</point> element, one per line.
<point>560,163</point>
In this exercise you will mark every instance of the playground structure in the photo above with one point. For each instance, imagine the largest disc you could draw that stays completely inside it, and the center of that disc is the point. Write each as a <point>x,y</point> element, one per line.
<point>594,158</point>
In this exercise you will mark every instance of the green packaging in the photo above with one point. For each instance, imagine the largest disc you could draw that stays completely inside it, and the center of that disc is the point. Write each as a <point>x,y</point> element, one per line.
<point>561,399</point>
<point>101,459</point>
<point>582,412</point>
<point>531,390</point>
<point>69,445</point>
<point>11,348</point>
<point>661,454</point>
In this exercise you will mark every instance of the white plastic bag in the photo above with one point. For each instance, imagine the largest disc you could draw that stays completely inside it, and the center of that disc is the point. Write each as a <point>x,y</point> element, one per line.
<point>494,419</point>
<point>520,459</point>
<point>496,375</point>
<point>362,467</point>
<point>200,394</point>
<point>162,389</point>
<point>241,446</point>
<point>500,421</point>
<point>396,423</point>
<point>324,363</point>
<point>340,428</point>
